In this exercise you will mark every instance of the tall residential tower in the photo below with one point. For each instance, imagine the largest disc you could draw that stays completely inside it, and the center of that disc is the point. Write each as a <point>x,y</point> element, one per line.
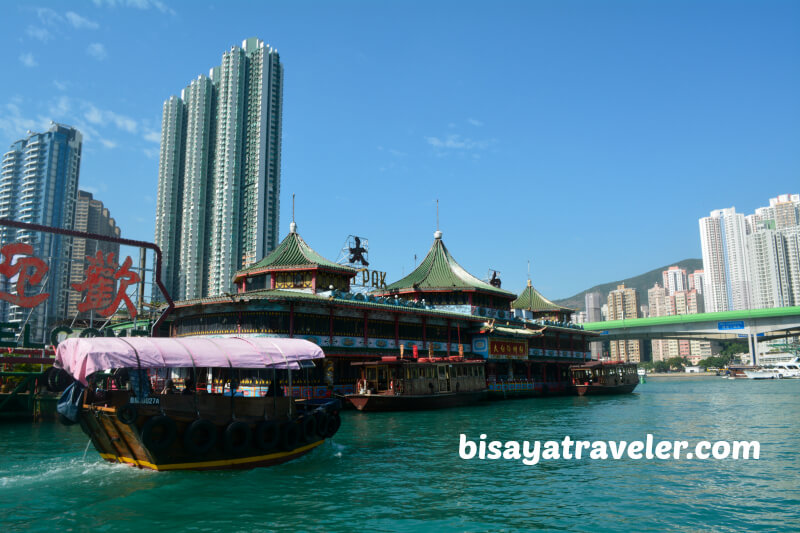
<point>39,185</point>
<point>219,173</point>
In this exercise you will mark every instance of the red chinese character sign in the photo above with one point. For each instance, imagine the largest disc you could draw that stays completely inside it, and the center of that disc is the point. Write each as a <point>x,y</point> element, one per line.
<point>28,269</point>
<point>100,285</point>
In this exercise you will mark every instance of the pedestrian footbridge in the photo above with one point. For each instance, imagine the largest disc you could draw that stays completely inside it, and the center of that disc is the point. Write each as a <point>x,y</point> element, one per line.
<point>755,325</point>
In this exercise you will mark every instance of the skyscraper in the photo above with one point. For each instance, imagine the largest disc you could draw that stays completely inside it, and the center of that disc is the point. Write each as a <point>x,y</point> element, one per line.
<point>39,185</point>
<point>93,217</point>
<point>623,304</point>
<point>219,172</point>
<point>726,276</point>
<point>594,305</point>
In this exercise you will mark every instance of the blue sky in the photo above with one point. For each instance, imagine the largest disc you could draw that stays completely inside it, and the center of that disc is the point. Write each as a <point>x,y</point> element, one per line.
<point>587,137</point>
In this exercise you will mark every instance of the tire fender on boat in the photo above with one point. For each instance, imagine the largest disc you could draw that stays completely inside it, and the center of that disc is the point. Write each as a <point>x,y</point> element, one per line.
<point>200,437</point>
<point>267,435</point>
<point>333,424</point>
<point>127,413</point>
<point>158,433</point>
<point>237,437</point>
<point>289,436</point>
<point>323,420</point>
<point>309,427</point>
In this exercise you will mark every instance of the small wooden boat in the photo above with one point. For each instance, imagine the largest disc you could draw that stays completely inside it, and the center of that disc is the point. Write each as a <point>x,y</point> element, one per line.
<point>396,384</point>
<point>201,427</point>
<point>596,377</point>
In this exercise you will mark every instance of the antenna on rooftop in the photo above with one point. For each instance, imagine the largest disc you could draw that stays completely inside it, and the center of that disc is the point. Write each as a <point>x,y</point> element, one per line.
<point>293,225</point>
<point>437,214</point>
<point>529,272</point>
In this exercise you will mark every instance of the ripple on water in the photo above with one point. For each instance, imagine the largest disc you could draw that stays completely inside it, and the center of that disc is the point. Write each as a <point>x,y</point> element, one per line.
<point>401,471</point>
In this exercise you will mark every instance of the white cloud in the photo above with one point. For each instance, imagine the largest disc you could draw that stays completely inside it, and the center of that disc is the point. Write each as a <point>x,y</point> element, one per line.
<point>152,136</point>
<point>137,4</point>
<point>151,153</point>
<point>456,142</point>
<point>108,144</point>
<point>397,153</point>
<point>28,60</point>
<point>60,108</point>
<point>61,85</point>
<point>475,122</point>
<point>47,16</point>
<point>79,22</point>
<point>13,125</point>
<point>97,51</point>
<point>39,33</point>
<point>105,118</point>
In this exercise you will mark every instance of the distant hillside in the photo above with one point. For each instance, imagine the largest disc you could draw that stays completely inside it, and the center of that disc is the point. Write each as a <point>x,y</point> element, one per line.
<point>642,282</point>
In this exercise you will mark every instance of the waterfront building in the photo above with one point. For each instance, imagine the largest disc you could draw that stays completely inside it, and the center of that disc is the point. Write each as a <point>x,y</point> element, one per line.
<point>438,310</point>
<point>594,313</point>
<point>623,303</point>
<point>219,173</point>
<point>657,306</point>
<point>91,216</point>
<point>726,275</point>
<point>39,185</point>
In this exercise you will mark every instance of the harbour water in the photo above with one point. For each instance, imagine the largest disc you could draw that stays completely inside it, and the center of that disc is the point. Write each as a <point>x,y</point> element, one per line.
<point>402,471</point>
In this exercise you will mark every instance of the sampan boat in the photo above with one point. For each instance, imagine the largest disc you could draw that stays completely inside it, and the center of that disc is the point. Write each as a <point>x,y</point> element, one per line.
<point>596,377</point>
<point>230,413</point>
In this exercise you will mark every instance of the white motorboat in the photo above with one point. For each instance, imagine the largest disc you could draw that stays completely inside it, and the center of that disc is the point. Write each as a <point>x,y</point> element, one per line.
<point>789,370</point>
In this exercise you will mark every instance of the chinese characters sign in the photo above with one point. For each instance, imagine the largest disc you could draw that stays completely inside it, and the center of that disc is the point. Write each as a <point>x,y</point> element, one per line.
<point>502,349</point>
<point>29,270</point>
<point>104,286</point>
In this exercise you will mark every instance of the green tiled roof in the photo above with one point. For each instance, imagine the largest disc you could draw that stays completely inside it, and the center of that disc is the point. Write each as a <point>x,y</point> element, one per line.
<point>294,253</point>
<point>440,271</point>
<point>532,300</point>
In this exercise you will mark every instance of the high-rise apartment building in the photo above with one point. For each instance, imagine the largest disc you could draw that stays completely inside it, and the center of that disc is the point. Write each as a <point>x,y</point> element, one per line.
<point>91,216</point>
<point>219,172</point>
<point>695,280</point>
<point>39,185</point>
<point>675,279</point>
<point>623,303</point>
<point>594,305</point>
<point>726,275</point>
<point>786,210</point>
<point>657,306</point>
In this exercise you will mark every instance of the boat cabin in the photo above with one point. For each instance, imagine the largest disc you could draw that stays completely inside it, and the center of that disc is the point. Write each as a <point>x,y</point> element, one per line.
<point>416,377</point>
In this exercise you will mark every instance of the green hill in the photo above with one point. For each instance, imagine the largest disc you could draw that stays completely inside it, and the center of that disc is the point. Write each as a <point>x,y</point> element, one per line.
<point>642,282</point>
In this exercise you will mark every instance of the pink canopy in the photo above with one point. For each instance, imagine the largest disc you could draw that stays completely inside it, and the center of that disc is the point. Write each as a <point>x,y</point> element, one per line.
<point>83,357</point>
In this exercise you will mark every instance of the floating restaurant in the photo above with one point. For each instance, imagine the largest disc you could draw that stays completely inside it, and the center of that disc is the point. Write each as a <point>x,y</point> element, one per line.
<point>438,311</point>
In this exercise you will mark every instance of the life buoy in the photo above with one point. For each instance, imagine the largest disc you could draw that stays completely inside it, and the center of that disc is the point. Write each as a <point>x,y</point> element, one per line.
<point>127,413</point>
<point>289,436</point>
<point>322,423</point>
<point>158,433</point>
<point>200,437</point>
<point>267,435</point>
<point>334,422</point>
<point>237,437</point>
<point>308,425</point>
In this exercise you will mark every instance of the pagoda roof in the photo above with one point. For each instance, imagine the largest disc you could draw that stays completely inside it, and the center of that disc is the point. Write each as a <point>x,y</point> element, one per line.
<point>293,254</point>
<point>532,300</point>
<point>439,271</point>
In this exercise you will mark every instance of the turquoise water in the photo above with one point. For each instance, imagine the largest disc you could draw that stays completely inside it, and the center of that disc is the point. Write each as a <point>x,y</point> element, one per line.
<point>401,471</point>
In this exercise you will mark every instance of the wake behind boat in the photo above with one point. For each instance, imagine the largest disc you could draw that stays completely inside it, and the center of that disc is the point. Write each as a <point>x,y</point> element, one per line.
<point>212,423</point>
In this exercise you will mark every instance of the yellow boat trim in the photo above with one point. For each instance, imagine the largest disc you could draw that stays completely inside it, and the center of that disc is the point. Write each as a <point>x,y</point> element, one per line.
<point>206,464</point>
